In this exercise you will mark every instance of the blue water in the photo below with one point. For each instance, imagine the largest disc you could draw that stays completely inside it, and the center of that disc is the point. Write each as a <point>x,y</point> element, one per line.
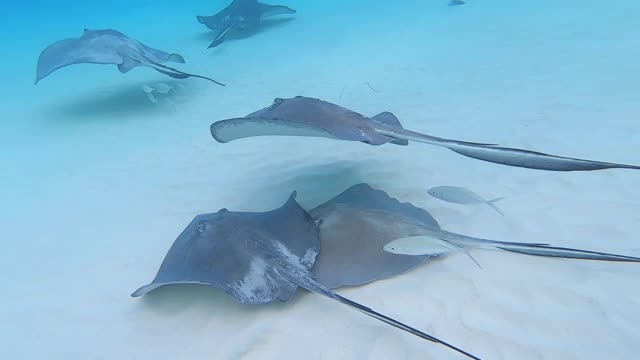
<point>96,181</point>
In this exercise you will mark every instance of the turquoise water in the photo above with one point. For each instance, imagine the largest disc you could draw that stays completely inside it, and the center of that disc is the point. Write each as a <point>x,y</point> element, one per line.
<point>97,181</point>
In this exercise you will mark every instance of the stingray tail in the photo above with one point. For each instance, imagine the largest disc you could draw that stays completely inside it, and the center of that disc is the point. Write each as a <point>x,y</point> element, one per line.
<point>221,37</point>
<point>529,248</point>
<point>503,155</point>
<point>308,283</point>
<point>177,74</point>
<point>492,204</point>
<point>568,253</point>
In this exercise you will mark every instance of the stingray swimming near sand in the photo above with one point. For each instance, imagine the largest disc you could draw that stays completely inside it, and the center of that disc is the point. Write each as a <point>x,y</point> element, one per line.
<point>303,116</point>
<point>362,231</point>
<point>240,15</point>
<point>108,47</point>
<point>256,258</point>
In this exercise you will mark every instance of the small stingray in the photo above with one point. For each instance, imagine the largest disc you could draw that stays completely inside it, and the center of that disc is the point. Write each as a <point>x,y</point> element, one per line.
<point>364,233</point>
<point>108,47</point>
<point>240,15</point>
<point>256,258</point>
<point>303,116</point>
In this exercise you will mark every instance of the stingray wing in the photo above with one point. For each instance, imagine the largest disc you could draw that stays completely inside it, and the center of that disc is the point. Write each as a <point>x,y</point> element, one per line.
<point>231,252</point>
<point>354,228</point>
<point>207,253</point>
<point>232,129</point>
<point>363,196</point>
<point>273,10</point>
<point>103,49</point>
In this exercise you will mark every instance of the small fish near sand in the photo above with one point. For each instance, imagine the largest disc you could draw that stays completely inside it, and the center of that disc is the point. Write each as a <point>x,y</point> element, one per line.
<point>460,195</point>
<point>436,242</point>
<point>154,91</point>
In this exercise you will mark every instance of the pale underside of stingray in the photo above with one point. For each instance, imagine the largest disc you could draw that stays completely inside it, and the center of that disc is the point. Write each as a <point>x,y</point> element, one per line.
<point>357,225</point>
<point>108,47</point>
<point>303,116</point>
<point>255,258</point>
<point>238,16</point>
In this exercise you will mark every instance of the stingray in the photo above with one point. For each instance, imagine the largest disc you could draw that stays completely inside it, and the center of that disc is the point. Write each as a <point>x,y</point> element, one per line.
<point>240,15</point>
<point>354,228</point>
<point>108,47</point>
<point>255,258</point>
<point>356,225</point>
<point>303,116</point>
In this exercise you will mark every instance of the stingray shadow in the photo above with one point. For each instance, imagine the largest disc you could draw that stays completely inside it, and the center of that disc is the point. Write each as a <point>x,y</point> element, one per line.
<point>265,26</point>
<point>119,102</point>
<point>314,184</point>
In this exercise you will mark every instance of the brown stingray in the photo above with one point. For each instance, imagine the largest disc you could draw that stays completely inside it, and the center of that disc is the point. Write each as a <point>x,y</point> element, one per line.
<point>354,228</point>
<point>303,116</point>
<point>357,225</point>
<point>256,258</point>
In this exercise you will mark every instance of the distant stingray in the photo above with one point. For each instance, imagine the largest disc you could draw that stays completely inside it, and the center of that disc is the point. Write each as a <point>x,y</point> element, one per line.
<point>364,235</point>
<point>303,116</point>
<point>108,47</point>
<point>255,258</point>
<point>240,15</point>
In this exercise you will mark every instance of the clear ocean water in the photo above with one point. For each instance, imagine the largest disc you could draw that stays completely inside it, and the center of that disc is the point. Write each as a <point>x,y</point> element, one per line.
<point>97,181</point>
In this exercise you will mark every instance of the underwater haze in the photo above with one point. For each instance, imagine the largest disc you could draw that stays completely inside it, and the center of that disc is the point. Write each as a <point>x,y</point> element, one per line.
<point>97,179</point>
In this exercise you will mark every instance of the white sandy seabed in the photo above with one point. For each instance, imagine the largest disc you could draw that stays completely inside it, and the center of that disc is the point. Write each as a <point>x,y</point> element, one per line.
<point>98,182</point>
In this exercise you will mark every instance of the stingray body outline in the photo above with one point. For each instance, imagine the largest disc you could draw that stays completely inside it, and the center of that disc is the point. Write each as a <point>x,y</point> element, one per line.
<point>108,47</point>
<point>304,116</point>
<point>357,224</point>
<point>240,15</point>
<point>256,258</point>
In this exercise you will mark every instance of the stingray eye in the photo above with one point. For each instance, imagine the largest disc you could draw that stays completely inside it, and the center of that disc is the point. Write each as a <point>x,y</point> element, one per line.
<point>277,101</point>
<point>202,227</point>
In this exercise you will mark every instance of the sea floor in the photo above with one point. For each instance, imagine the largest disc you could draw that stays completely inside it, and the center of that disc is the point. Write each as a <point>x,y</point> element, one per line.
<point>98,181</point>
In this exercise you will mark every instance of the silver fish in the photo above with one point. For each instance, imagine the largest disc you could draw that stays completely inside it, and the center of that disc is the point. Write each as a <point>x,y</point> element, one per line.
<point>458,195</point>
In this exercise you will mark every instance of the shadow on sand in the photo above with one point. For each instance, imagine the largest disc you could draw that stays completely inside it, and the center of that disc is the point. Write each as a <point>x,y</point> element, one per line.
<point>119,102</point>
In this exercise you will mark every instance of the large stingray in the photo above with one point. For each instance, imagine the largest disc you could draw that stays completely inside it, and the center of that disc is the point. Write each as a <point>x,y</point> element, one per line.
<point>303,116</point>
<point>356,225</point>
<point>240,15</point>
<point>354,228</point>
<point>256,258</point>
<point>108,47</point>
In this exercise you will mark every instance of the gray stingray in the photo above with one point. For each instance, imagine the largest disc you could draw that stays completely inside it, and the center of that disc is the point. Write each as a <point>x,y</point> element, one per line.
<point>255,258</point>
<point>303,116</point>
<point>108,47</point>
<point>356,225</point>
<point>240,15</point>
